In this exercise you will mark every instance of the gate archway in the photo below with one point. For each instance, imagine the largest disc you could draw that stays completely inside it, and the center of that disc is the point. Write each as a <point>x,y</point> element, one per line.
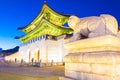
<point>37,56</point>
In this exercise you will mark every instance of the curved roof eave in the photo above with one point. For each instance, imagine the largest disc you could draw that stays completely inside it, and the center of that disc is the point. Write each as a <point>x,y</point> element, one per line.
<point>45,22</point>
<point>39,15</point>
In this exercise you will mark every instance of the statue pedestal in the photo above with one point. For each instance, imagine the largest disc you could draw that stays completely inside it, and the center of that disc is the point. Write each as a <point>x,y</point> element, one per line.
<point>93,60</point>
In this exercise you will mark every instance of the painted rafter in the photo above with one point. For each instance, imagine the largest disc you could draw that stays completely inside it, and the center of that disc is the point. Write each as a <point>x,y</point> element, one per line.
<point>45,27</point>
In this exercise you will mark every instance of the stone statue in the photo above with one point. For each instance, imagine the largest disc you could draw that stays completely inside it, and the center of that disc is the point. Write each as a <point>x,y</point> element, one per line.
<point>93,26</point>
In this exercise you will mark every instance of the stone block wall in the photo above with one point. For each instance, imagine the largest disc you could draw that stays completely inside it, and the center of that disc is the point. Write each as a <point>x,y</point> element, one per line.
<point>102,65</point>
<point>49,50</point>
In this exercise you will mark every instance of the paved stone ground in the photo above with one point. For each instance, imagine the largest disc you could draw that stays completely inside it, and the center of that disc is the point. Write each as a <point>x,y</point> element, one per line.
<point>32,71</point>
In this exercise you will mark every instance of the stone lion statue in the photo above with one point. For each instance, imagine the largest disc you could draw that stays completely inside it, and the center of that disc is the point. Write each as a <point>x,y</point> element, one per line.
<point>93,26</point>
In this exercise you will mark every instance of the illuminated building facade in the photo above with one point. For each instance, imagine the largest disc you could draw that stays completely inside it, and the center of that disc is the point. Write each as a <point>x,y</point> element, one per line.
<point>44,37</point>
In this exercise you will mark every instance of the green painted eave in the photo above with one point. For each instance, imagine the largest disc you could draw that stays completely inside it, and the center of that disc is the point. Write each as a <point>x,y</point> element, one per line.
<point>45,27</point>
<point>49,14</point>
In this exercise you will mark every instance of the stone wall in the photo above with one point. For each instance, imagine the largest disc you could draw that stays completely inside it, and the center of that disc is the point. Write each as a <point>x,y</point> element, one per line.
<point>32,49</point>
<point>50,50</point>
<point>102,65</point>
<point>12,57</point>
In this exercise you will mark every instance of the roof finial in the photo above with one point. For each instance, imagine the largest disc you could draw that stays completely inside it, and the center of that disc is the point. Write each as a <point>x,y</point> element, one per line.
<point>45,1</point>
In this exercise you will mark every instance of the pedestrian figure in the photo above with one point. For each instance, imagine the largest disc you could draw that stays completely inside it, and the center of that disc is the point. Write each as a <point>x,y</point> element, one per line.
<point>21,61</point>
<point>15,60</point>
<point>52,62</point>
<point>32,60</point>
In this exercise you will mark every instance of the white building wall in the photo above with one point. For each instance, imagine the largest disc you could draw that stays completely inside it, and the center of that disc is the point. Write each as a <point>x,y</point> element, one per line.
<point>52,47</point>
<point>56,49</point>
<point>31,48</point>
<point>50,50</point>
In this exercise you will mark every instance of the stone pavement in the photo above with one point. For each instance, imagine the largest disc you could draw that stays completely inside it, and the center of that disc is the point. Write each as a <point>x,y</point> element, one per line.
<point>32,71</point>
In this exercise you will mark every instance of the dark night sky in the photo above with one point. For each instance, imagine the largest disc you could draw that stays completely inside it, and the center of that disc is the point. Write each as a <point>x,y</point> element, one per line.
<point>19,13</point>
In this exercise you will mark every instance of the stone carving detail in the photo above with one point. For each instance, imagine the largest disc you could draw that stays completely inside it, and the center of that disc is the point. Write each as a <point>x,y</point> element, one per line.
<point>93,26</point>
